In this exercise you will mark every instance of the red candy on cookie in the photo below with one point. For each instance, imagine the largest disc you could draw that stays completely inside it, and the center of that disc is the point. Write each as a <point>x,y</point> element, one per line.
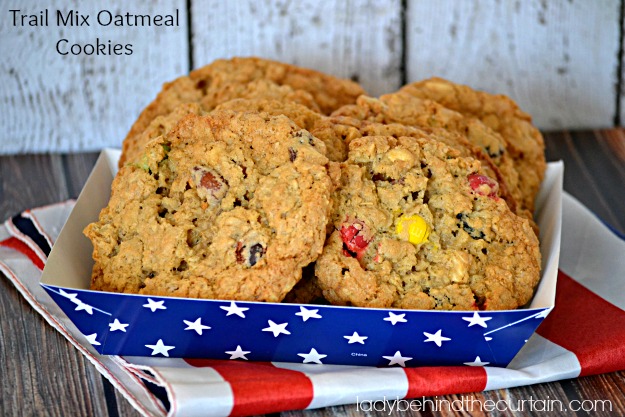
<point>353,236</point>
<point>483,185</point>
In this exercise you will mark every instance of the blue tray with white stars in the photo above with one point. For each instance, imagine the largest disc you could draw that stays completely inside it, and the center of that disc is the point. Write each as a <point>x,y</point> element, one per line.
<point>138,325</point>
<point>141,325</point>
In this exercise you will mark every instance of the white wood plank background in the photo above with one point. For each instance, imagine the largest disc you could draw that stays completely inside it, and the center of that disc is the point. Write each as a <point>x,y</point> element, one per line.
<point>357,39</point>
<point>56,103</point>
<point>558,59</point>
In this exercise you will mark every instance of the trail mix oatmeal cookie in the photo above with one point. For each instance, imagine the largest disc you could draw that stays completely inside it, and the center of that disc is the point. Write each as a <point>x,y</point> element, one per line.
<point>418,227</point>
<point>251,179</point>
<point>302,116</point>
<point>348,128</point>
<point>524,142</point>
<point>229,205</point>
<point>428,115</point>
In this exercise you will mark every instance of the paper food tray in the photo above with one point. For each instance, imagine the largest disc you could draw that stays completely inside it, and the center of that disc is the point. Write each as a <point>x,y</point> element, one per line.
<point>139,325</point>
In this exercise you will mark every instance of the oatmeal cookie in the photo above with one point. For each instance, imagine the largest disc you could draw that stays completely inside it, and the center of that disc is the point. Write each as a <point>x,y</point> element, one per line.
<point>348,128</point>
<point>524,142</point>
<point>404,108</point>
<point>418,227</point>
<point>229,205</point>
<point>224,80</point>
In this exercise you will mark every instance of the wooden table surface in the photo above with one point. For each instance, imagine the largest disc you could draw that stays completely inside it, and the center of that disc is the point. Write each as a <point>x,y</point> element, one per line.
<point>41,374</point>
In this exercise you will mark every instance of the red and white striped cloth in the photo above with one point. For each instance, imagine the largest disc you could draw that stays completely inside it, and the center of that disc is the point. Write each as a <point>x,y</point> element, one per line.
<point>583,335</point>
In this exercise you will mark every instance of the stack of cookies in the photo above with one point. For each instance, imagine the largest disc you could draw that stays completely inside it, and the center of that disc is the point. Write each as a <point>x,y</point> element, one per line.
<point>256,180</point>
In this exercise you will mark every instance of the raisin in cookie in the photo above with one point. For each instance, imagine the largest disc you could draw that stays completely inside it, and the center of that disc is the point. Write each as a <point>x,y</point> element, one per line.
<point>224,80</point>
<point>524,142</point>
<point>228,205</point>
<point>418,227</point>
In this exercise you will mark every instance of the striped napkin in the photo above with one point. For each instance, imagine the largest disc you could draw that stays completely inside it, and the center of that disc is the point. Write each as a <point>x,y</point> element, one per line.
<point>583,335</point>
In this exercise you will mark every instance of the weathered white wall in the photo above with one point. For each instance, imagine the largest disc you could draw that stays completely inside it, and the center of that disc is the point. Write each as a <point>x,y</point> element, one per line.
<point>358,39</point>
<point>51,102</point>
<point>558,59</point>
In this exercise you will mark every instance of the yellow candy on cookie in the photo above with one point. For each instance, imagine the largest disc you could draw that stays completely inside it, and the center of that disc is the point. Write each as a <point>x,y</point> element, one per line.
<point>413,229</point>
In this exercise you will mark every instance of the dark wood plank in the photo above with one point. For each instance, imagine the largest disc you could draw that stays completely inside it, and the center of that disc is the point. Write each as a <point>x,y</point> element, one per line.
<point>606,393</point>
<point>42,373</point>
<point>28,181</point>
<point>594,170</point>
<point>77,168</point>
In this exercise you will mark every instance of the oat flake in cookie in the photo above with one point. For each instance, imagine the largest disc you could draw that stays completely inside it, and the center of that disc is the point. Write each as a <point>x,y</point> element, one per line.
<point>227,206</point>
<point>418,227</point>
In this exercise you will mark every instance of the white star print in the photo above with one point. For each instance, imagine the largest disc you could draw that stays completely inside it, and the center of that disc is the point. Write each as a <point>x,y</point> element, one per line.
<point>238,353</point>
<point>477,319</point>
<point>73,297</point>
<point>356,338</point>
<point>276,329</point>
<point>234,309</point>
<point>397,359</point>
<point>476,362</point>
<point>308,314</point>
<point>395,318</point>
<point>117,325</point>
<point>196,325</point>
<point>436,338</point>
<point>82,306</point>
<point>66,294</point>
<point>91,339</point>
<point>312,357</point>
<point>155,305</point>
<point>160,347</point>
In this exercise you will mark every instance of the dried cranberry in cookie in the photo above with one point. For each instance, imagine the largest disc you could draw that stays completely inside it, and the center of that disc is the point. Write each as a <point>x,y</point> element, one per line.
<point>249,254</point>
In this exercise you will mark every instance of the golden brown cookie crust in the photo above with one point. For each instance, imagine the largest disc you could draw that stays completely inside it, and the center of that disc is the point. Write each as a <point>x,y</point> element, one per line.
<point>336,149</point>
<point>372,117</point>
